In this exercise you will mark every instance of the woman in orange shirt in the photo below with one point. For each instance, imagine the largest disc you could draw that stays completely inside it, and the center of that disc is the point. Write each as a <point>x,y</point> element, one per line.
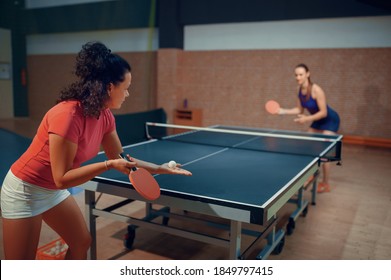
<point>71,132</point>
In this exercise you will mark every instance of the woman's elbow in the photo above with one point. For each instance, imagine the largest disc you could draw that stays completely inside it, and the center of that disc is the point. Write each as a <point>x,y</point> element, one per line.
<point>60,184</point>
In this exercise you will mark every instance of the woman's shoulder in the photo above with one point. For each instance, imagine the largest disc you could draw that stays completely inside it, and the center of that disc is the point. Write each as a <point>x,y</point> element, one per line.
<point>317,90</point>
<point>315,87</point>
<point>71,107</point>
<point>67,105</point>
<point>108,115</point>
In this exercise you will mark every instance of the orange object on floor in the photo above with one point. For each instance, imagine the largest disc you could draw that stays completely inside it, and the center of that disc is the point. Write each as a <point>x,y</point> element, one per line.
<point>54,250</point>
<point>322,187</point>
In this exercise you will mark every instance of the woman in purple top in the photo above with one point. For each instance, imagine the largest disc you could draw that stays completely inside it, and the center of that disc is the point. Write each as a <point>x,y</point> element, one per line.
<point>323,119</point>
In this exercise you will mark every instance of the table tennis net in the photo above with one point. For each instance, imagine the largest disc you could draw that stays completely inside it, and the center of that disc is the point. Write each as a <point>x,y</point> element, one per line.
<point>277,141</point>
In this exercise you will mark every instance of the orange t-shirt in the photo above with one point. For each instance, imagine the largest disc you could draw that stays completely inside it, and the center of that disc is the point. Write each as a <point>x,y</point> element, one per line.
<point>65,119</point>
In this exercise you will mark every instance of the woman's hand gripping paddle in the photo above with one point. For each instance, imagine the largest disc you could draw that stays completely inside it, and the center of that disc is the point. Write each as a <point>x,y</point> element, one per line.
<point>143,182</point>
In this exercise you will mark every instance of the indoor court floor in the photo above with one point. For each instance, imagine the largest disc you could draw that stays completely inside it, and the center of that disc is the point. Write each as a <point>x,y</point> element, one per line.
<point>352,222</point>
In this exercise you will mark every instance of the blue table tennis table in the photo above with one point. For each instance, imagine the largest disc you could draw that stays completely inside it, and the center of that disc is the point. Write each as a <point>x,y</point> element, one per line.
<point>242,176</point>
<point>12,147</point>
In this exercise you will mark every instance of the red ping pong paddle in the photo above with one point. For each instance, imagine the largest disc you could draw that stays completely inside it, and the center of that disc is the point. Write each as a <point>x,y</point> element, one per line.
<point>272,107</point>
<point>143,182</point>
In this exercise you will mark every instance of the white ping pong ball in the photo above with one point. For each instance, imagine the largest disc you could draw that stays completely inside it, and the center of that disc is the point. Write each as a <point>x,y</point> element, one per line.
<point>172,164</point>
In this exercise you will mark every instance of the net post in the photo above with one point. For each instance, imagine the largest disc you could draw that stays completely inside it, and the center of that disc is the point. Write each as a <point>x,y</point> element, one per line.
<point>147,131</point>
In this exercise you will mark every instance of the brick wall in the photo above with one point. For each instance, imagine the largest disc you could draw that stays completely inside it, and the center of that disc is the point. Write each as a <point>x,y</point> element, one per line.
<point>232,86</point>
<point>48,74</point>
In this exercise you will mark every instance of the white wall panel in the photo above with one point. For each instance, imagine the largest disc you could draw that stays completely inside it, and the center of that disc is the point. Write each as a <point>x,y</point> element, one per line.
<point>358,32</point>
<point>127,40</point>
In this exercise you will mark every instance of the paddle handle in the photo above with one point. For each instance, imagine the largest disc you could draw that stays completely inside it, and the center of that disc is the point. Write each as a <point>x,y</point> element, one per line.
<point>123,156</point>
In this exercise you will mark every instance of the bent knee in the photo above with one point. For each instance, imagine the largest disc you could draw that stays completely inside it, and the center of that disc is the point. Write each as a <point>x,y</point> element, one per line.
<point>86,242</point>
<point>77,250</point>
<point>82,243</point>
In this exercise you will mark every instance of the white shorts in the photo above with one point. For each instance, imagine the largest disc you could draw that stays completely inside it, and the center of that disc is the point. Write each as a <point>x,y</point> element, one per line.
<point>20,199</point>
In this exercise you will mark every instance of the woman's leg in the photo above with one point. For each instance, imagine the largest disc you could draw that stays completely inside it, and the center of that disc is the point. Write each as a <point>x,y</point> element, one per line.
<point>21,237</point>
<point>326,165</point>
<point>67,220</point>
<point>324,185</point>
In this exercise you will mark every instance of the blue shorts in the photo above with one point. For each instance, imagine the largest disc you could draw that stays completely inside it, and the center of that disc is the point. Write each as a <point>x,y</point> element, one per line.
<point>331,122</point>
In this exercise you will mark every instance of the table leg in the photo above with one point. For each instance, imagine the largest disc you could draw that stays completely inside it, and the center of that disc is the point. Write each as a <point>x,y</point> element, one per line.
<point>89,200</point>
<point>235,240</point>
<point>275,243</point>
<point>315,187</point>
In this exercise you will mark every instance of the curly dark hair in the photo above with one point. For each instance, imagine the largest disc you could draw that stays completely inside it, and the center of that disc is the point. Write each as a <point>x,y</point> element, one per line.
<point>96,67</point>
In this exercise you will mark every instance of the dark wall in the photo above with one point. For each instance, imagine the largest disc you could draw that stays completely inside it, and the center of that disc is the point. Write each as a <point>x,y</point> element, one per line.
<point>122,14</point>
<point>224,11</point>
<point>10,12</point>
<point>89,17</point>
<point>170,16</point>
<point>6,14</point>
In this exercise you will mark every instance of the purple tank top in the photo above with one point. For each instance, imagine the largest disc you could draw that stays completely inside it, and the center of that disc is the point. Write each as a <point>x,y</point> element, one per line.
<point>309,104</point>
